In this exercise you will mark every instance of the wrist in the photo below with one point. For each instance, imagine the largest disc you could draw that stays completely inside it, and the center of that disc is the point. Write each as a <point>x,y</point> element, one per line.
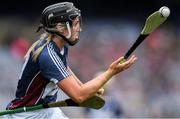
<point>109,73</point>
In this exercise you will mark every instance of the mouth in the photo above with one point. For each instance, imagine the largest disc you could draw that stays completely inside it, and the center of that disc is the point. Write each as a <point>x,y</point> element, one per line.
<point>77,36</point>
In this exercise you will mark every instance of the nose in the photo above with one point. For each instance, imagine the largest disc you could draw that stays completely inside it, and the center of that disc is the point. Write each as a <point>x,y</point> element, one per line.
<point>79,29</point>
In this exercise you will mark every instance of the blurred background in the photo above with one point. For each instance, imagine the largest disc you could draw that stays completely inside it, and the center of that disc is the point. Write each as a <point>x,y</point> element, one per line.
<point>150,88</point>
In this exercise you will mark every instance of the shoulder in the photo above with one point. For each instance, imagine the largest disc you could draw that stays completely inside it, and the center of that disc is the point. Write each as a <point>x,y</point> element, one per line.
<point>47,53</point>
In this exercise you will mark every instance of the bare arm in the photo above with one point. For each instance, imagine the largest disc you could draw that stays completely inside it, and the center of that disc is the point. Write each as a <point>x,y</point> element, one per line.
<point>79,93</point>
<point>99,92</point>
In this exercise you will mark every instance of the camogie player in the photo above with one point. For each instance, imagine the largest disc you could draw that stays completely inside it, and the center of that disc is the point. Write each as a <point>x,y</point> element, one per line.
<point>45,70</point>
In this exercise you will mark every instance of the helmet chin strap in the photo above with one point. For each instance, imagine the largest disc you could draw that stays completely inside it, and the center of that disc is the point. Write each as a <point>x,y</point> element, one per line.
<point>69,30</point>
<point>66,38</point>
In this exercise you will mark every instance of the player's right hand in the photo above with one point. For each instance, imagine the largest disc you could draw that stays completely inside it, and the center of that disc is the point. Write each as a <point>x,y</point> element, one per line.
<point>117,67</point>
<point>100,91</point>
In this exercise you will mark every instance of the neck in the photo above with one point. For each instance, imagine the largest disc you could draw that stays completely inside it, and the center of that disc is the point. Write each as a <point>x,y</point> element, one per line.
<point>59,41</point>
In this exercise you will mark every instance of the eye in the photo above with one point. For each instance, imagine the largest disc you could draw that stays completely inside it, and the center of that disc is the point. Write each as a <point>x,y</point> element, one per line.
<point>76,23</point>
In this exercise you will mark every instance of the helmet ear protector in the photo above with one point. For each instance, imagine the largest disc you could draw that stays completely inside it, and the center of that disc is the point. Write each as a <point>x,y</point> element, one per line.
<point>64,12</point>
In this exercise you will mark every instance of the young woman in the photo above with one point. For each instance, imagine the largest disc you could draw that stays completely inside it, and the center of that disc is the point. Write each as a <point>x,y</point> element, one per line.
<point>45,70</point>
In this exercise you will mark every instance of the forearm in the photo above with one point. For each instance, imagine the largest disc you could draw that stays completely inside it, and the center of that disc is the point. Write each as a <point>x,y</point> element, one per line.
<point>91,87</point>
<point>82,92</point>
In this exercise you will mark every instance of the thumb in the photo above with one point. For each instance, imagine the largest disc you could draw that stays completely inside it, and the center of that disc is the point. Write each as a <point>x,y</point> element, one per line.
<point>120,60</point>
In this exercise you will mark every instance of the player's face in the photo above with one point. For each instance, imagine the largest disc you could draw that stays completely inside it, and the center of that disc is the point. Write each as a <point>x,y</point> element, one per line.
<point>75,29</point>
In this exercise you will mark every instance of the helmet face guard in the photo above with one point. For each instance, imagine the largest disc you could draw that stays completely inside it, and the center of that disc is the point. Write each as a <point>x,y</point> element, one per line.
<point>64,12</point>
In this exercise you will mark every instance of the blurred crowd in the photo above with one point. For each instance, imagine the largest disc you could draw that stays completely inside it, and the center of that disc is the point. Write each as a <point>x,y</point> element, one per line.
<point>150,88</point>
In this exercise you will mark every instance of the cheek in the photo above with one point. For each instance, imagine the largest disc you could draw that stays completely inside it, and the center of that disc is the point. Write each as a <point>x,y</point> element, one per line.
<point>74,31</point>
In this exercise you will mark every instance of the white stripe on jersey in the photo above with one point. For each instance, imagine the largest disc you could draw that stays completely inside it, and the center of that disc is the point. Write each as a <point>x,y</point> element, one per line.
<point>50,89</point>
<point>59,59</point>
<point>55,81</point>
<point>31,82</point>
<point>55,60</point>
<point>40,96</point>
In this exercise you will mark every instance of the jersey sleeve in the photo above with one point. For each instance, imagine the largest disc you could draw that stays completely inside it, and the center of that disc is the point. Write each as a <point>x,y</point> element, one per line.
<point>51,65</point>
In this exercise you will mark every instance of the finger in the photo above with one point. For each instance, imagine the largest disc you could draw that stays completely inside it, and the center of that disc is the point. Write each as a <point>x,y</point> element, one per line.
<point>132,60</point>
<point>119,60</point>
<point>101,91</point>
<point>131,63</point>
<point>128,61</point>
<point>122,61</point>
